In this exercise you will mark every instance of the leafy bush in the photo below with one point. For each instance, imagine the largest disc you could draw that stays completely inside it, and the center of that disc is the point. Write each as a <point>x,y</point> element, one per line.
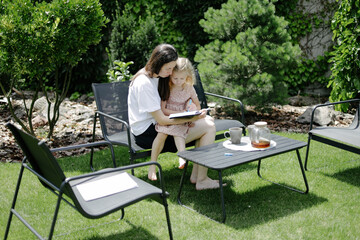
<point>307,72</point>
<point>119,71</point>
<point>132,39</point>
<point>249,54</point>
<point>345,78</point>
<point>40,38</point>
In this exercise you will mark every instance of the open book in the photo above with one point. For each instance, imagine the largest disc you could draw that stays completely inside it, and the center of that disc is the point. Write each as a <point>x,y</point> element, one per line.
<point>184,114</point>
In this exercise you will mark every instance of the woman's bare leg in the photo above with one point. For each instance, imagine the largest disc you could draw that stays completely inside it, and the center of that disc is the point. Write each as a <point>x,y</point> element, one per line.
<point>157,147</point>
<point>194,172</point>
<point>180,145</point>
<point>204,130</point>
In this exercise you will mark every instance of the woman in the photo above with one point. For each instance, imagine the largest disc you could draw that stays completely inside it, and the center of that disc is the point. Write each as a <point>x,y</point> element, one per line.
<point>144,105</point>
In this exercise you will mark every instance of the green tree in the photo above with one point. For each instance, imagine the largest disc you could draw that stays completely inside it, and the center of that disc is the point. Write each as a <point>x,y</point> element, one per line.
<point>41,38</point>
<point>132,39</point>
<point>249,54</point>
<point>345,78</point>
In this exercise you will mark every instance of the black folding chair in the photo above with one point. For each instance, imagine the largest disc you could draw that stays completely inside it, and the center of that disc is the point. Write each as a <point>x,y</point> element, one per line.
<point>220,124</point>
<point>46,168</point>
<point>112,112</point>
<point>347,138</point>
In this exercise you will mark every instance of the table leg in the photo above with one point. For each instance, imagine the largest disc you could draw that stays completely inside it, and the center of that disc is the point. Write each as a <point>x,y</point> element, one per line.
<point>221,192</point>
<point>182,183</point>
<point>222,196</point>
<point>293,189</point>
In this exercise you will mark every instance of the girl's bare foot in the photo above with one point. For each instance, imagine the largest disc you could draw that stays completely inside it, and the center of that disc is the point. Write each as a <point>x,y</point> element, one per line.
<point>208,183</point>
<point>152,173</point>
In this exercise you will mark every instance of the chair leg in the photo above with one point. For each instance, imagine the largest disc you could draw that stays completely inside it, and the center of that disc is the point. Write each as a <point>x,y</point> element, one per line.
<point>122,214</point>
<point>307,151</point>
<point>55,216</point>
<point>131,158</point>
<point>167,217</point>
<point>93,140</point>
<point>14,201</point>
<point>113,155</point>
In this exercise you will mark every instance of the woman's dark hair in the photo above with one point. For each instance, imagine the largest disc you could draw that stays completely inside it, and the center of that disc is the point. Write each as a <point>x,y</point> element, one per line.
<point>164,88</point>
<point>162,54</point>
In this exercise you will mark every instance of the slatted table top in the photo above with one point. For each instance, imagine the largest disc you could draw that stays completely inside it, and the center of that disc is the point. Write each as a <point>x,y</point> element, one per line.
<point>213,156</point>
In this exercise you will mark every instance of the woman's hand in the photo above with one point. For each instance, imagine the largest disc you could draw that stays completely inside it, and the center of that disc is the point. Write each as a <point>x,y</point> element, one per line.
<point>202,115</point>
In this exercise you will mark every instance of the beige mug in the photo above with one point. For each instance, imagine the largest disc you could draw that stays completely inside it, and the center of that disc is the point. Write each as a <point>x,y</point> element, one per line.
<point>234,134</point>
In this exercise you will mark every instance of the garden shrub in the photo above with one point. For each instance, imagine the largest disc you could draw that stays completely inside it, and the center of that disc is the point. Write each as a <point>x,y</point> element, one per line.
<point>132,39</point>
<point>345,78</point>
<point>249,54</point>
<point>37,39</point>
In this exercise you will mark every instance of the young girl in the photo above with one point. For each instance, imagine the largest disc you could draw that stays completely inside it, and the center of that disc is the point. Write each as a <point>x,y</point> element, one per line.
<point>181,97</point>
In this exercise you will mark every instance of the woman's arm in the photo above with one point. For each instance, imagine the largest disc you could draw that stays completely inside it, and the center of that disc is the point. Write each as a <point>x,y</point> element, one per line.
<point>160,118</point>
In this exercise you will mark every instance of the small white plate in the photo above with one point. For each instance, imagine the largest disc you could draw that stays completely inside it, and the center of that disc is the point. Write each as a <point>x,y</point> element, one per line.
<point>245,145</point>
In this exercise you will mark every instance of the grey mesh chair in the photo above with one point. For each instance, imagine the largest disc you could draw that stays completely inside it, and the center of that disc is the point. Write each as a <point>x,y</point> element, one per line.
<point>344,138</point>
<point>45,167</point>
<point>220,124</point>
<point>112,112</point>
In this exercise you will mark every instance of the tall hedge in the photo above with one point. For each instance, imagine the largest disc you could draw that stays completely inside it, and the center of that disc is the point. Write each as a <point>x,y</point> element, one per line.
<point>132,39</point>
<point>345,78</point>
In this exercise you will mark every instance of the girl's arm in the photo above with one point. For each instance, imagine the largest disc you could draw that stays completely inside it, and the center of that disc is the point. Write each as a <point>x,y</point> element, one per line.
<point>194,99</point>
<point>160,118</point>
<point>166,111</point>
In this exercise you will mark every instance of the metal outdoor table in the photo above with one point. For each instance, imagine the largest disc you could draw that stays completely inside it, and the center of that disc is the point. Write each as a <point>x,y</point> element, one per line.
<point>213,157</point>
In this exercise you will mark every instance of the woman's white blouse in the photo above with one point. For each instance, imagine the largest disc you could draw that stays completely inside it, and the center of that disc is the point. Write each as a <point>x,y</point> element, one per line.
<point>143,99</point>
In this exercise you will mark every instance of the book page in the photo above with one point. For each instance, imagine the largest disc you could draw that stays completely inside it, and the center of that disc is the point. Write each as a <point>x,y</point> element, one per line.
<point>184,114</point>
<point>106,186</point>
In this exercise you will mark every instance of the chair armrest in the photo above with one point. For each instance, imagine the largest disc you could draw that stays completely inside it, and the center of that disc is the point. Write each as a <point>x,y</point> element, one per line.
<point>230,99</point>
<point>72,147</point>
<point>119,169</point>
<point>118,120</point>
<point>328,104</point>
<point>113,118</point>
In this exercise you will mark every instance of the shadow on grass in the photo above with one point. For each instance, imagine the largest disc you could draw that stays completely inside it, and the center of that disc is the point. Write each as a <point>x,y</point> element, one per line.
<point>245,210</point>
<point>351,176</point>
<point>134,232</point>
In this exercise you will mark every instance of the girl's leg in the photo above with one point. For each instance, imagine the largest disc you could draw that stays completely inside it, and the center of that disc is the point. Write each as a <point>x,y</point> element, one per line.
<point>157,146</point>
<point>204,132</point>
<point>180,145</point>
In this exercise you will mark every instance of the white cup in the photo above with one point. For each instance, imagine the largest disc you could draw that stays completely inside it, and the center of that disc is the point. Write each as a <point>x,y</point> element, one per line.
<point>234,134</point>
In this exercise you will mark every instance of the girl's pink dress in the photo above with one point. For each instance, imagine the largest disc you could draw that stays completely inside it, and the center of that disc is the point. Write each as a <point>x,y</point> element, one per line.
<point>178,101</point>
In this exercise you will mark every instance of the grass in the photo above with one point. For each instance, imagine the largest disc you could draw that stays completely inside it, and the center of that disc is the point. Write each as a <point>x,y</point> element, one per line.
<point>256,209</point>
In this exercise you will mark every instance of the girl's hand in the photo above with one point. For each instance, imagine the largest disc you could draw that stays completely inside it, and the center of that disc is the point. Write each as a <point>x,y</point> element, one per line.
<point>192,107</point>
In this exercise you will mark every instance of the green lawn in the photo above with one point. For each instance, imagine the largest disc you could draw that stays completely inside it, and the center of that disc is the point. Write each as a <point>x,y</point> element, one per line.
<point>256,209</point>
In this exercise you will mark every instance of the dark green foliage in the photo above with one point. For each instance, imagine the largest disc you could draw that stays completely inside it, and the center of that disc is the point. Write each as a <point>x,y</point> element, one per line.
<point>119,72</point>
<point>301,24</point>
<point>345,79</point>
<point>250,53</point>
<point>186,15</point>
<point>39,39</point>
<point>307,72</point>
<point>132,39</point>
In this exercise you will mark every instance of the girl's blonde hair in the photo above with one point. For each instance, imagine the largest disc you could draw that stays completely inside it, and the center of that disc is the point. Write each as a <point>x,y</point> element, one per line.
<point>184,65</point>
